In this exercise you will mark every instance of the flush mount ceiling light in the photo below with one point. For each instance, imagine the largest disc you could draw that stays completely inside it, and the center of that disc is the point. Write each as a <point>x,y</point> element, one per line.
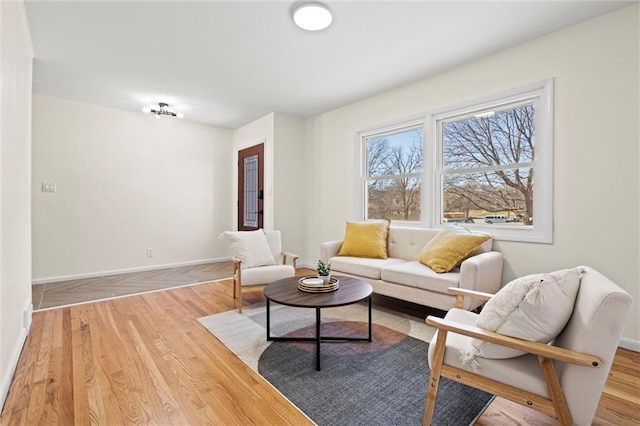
<point>162,111</point>
<point>312,16</point>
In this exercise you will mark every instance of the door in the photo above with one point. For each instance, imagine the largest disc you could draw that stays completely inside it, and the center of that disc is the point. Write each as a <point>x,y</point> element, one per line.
<point>251,188</point>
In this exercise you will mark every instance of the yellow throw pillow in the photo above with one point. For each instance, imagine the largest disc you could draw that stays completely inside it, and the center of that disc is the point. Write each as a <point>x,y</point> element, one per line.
<point>365,239</point>
<point>449,248</point>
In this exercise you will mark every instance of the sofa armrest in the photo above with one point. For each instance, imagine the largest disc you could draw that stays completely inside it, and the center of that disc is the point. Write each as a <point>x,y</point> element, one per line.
<point>328,249</point>
<point>483,273</point>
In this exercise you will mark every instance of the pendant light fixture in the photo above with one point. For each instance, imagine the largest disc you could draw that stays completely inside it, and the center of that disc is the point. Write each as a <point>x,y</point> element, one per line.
<point>162,111</point>
<point>312,16</point>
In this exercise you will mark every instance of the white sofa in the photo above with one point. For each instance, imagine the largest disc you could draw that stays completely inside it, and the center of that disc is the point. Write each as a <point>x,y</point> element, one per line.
<point>401,276</point>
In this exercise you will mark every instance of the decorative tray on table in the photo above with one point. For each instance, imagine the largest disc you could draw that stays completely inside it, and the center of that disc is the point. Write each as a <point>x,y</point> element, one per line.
<point>315,285</point>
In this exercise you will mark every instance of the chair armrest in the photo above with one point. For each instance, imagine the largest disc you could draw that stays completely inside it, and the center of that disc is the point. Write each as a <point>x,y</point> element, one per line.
<point>535,348</point>
<point>483,273</point>
<point>294,258</point>
<point>461,293</point>
<point>329,249</point>
<point>237,264</point>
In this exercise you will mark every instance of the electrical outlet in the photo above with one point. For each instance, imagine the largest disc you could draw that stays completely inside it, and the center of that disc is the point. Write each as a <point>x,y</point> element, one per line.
<point>149,252</point>
<point>49,187</point>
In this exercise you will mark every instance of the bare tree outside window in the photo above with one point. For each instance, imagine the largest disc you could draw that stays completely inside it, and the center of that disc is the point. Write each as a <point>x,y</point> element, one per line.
<point>488,166</point>
<point>394,175</point>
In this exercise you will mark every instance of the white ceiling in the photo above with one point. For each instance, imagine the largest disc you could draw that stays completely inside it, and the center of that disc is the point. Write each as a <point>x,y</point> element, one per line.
<point>227,63</point>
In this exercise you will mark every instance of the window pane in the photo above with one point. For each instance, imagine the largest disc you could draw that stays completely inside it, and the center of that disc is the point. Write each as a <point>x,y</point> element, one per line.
<point>250,213</point>
<point>395,199</point>
<point>498,197</point>
<point>503,137</point>
<point>395,154</point>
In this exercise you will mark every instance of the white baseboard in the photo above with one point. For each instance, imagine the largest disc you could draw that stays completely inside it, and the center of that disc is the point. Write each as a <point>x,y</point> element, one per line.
<point>7,377</point>
<point>27,314</point>
<point>632,345</point>
<point>128,270</point>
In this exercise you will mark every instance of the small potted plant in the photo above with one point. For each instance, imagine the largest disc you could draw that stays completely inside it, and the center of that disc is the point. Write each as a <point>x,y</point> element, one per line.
<point>324,271</point>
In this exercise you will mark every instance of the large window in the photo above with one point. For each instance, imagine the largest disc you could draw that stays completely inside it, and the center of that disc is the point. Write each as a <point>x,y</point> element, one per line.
<point>494,167</point>
<point>485,164</point>
<point>393,173</point>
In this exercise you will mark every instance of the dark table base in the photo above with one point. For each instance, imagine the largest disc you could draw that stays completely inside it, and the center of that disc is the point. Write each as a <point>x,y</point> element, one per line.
<point>318,339</point>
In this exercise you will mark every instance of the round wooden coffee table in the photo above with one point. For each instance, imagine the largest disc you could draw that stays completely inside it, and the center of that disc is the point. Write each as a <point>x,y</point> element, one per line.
<point>285,292</point>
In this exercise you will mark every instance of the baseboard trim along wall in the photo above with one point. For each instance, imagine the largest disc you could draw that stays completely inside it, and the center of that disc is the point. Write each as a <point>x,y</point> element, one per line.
<point>128,270</point>
<point>7,376</point>
<point>632,345</point>
<point>13,363</point>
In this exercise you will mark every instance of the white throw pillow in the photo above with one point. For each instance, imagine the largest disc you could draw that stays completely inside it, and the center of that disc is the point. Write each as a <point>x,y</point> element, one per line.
<point>251,247</point>
<point>535,307</point>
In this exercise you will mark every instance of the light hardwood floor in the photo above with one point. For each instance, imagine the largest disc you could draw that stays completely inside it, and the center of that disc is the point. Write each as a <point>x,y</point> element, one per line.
<point>145,359</point>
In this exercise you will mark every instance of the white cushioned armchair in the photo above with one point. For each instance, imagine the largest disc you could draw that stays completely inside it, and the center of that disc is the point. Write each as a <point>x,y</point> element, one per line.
<point>256,262</point>
<point>564,378</point>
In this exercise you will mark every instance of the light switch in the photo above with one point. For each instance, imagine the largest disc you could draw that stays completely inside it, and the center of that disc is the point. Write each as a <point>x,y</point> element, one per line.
<point>49,187</point>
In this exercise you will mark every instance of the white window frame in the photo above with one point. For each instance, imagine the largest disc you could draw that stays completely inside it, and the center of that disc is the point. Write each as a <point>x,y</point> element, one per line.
<point>541,93</point>
<point>361,158</point>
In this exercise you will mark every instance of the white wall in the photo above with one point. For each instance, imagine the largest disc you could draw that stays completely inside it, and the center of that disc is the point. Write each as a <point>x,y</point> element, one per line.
<point>596,185</point>
<point>15,133</point>
<point>126,181</point>
<point>284,175</point>
<point>255,133</point>
<point>290,175</point>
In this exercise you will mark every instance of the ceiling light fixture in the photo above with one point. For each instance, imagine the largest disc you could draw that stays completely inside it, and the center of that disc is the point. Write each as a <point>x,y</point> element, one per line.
<point>312,16</point>
<point>162,111</point>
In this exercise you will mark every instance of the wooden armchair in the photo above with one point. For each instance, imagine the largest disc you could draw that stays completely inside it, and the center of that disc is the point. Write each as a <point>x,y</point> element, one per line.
<point>563,379</point>
<point>252,279</point>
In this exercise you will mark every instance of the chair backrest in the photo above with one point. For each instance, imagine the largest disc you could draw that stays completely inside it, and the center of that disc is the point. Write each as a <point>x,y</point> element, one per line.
<point>595,327</point>
<point>275,244</point>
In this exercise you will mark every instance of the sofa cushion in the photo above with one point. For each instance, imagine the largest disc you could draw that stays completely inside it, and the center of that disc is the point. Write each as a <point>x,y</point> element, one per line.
<point>535,307</point>
<point>514,372</point>
<point>365,239</point>
<point>415,274</point>
<point>450,247</point>
<point>266,274</point>
<point>406,243</point>
<point>365,267</point>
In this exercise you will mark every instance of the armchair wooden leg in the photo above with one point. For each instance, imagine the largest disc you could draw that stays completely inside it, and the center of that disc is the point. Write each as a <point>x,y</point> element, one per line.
<point>555,391</point>
<point>239,299</point>
<point>434,378</point>
<point>237,287</point>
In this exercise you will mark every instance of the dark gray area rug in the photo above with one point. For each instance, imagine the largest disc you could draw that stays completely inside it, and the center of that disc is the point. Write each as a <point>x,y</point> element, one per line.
<point>386,386</point>
<point>379,383</point>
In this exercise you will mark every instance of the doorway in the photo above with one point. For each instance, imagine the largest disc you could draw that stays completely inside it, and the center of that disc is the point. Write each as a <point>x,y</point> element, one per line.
<point>251,188</point>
